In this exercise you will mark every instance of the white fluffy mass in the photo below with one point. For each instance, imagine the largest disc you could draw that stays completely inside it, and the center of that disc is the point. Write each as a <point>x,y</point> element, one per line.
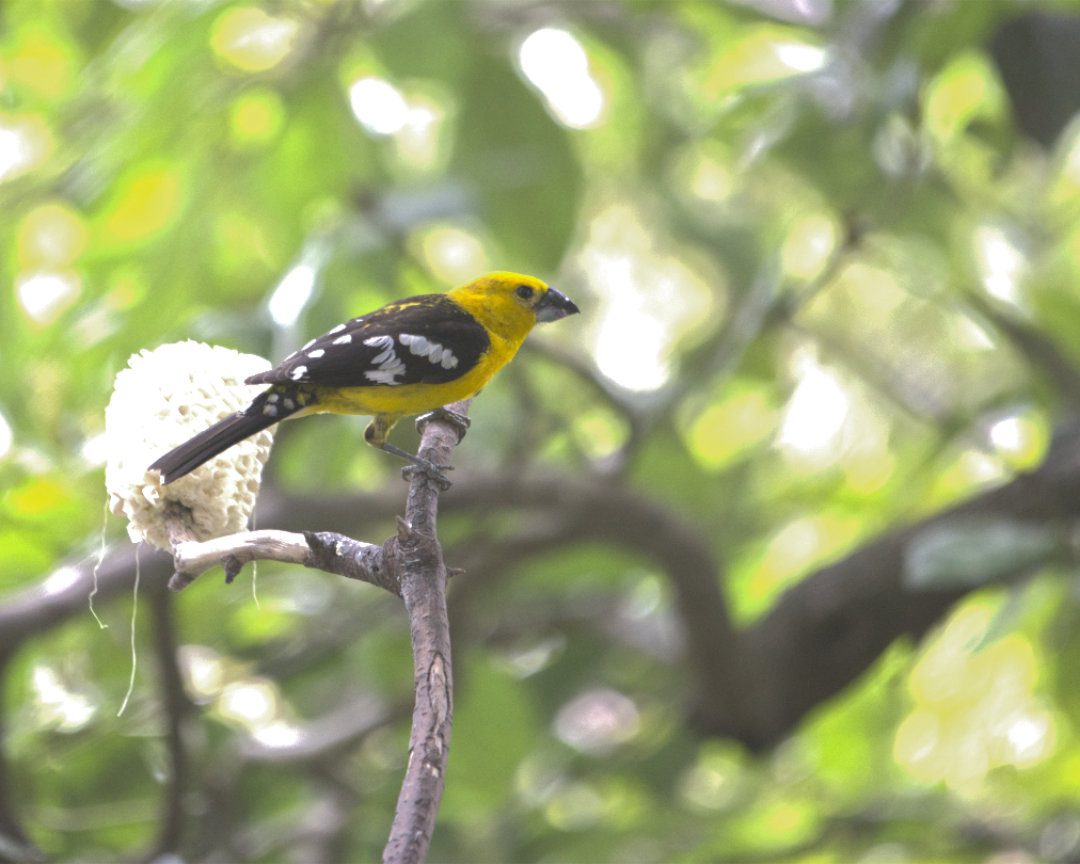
<point>161,399</point>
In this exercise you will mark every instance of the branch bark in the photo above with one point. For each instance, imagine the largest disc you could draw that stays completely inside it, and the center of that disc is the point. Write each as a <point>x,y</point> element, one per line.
<point>322,550</point>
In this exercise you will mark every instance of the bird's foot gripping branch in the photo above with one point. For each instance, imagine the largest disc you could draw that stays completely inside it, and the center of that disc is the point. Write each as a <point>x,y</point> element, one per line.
<point>433,471</point>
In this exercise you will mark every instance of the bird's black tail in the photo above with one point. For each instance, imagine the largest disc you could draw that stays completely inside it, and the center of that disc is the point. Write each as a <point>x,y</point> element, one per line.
<point>264,411</point>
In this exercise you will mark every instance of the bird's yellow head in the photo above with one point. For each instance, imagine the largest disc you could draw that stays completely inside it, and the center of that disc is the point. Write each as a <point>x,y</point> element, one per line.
<point>511,304</point>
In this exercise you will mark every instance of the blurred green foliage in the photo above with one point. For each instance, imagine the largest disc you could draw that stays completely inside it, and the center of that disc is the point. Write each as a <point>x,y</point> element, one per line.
<point>794,229</point>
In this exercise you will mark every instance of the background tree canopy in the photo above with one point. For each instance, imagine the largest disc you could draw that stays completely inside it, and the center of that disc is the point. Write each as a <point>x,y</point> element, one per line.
<point>770,555</point>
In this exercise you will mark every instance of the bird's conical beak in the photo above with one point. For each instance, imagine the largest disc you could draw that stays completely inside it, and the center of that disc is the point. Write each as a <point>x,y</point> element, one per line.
<point>555,305</point>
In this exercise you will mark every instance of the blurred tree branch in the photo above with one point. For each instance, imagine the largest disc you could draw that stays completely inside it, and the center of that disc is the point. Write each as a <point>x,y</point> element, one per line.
<point>176,713</point>
<point>15,845</point>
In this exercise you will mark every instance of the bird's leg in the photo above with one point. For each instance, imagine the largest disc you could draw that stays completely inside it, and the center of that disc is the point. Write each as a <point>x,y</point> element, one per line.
<point>460,422</point>
<point>375,435</point>
<point>423,466</point>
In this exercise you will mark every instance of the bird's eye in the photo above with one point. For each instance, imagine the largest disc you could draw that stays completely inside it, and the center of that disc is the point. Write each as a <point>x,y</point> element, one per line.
<point>524,292</point>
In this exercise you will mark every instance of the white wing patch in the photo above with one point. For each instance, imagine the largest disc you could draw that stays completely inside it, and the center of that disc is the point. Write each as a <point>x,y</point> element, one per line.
<point>434,351</point>
<point>298,373</point>
<point>389,364</point>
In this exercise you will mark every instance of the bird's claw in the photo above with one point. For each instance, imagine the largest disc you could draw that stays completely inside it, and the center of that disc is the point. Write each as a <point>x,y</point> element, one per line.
<point>428,469</point>
<point>460,422</point>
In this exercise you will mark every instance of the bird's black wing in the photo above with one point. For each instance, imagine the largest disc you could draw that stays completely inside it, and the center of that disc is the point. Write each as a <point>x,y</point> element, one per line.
<point>422,340</point>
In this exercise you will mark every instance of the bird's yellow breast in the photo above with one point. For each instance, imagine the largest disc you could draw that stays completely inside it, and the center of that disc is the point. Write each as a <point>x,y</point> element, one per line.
<point>409,398</point>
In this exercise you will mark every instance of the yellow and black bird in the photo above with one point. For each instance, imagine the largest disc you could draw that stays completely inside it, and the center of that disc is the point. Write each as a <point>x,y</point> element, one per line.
<point>410,357</point>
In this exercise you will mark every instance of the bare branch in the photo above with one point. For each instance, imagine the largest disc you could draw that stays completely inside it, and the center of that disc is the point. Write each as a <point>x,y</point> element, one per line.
<point>326,550</point>
<point>193,558</point>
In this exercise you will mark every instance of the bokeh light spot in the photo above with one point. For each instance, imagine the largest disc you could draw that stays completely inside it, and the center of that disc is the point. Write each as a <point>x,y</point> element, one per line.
<point>975,704</point>
<point>52,234</point>
<point>45,294</point>
<point>146,201</point>
<point>58,706</point>
<point>574,807</point>
<point>26,143</point>
<point>763,54</point>
<point>452,254</point>
<point>810,242</point>
<point>378,105</point>
<point>252,40</point>
<point>252,703</point>
<point>43,62</point>
<point>815,414</point>
<point>650,296</point>
<point>291,296</point>
<point>256,117</point>
<point>597,721</point>
<point>1001,263</point>
<point>556,64</point>
<point>726,429</point>
<point>1020,439</point>
<point>7,437</point>
<point>965,89</point>
<point>277,734</point>
<point>60,579</point>
<point>204,672</point>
